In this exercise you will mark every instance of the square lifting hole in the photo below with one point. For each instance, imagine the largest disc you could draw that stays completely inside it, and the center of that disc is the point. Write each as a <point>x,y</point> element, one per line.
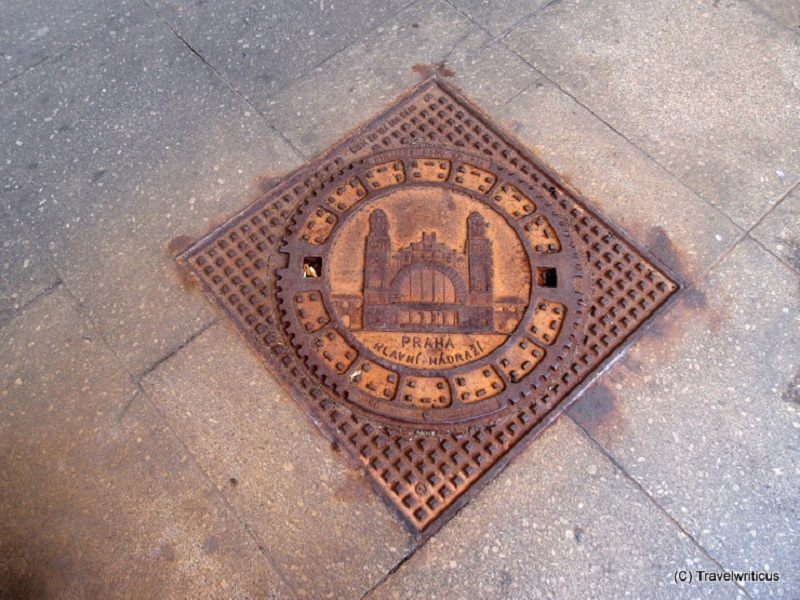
<point>312,266</point>
<point>546,277</point>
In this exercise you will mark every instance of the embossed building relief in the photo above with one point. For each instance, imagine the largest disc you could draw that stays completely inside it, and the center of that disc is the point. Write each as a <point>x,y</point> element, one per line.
<point>430,294</point>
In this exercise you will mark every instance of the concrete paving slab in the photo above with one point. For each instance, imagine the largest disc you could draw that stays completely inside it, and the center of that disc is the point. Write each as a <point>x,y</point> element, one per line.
<point>560,522</point>
<point>671,221</point>
<point>703,413</point>
<point>259,47</point>
<point>315,515</point>
<point>340,94</point>
<point>780,230</point>
<point>710,90</point>
<point>35,30</point>
<point>490,76</point>
<point>116,149</point>
<point>786,11</point>
<point>24,270</point>
<point>497,16</point>
<point>92,507</point>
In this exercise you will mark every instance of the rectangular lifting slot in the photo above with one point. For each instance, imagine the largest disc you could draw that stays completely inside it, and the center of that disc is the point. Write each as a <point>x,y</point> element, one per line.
<point>312,266</point>
<point>546,277</point>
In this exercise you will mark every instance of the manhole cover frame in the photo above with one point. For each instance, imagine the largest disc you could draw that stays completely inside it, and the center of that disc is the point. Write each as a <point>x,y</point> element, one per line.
<point>424,471</point>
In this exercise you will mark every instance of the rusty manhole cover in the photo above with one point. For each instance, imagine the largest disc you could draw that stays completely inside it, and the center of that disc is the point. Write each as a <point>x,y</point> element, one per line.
<point>430,294</point>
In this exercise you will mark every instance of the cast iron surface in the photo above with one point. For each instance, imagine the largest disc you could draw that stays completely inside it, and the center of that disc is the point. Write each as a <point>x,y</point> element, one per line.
<point>430,294</point>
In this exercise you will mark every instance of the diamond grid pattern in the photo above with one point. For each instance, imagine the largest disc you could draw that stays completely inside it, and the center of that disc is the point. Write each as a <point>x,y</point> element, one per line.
<point>422,475</point>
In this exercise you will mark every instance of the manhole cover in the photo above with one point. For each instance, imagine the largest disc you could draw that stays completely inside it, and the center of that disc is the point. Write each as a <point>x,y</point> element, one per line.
<point>430,293</point>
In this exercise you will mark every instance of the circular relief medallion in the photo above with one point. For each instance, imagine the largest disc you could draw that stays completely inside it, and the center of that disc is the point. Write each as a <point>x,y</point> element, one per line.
<point>428,288</point>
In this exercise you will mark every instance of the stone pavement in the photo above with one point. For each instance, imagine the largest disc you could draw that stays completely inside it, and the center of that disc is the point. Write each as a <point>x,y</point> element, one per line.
<point>144,451</point>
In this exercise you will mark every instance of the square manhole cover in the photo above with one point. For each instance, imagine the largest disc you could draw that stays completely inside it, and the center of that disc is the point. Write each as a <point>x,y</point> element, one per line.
<point>430,294</point>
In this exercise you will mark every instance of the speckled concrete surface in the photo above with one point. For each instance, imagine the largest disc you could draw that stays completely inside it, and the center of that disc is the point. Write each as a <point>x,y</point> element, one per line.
<point>144,451</point>
<point>711,90</point>
<point>787,13</point>
<point>97,503</point>
<point>260,47</point>
<point>370,73</point>
<point>684,231</point>
<point>730,471</point>
<point>316,516</point>
<point>779,231</point>
<point>24,269</point>
<point>35,31</point>
<point>498,16</point>
<point>143,144</point>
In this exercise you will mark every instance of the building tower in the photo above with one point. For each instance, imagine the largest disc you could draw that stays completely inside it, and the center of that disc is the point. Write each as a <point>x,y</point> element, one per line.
<point>479,258</point>
<point>376,262</point>
<point>479,255</point>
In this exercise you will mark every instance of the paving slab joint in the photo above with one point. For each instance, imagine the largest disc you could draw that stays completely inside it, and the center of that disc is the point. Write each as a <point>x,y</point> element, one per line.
<point>652,500</point>
<point>126,408</point>
<point>767,14</point>
<point>62,50</point>
<point>260,547</point>
<point>138,378</point>
<point>224,80</point>
<point>393,570</point>
<point>28,68</point>
<point>625,138</point>
<point>749,233</point>
<point>39,296</point>
<point>510,28</point>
